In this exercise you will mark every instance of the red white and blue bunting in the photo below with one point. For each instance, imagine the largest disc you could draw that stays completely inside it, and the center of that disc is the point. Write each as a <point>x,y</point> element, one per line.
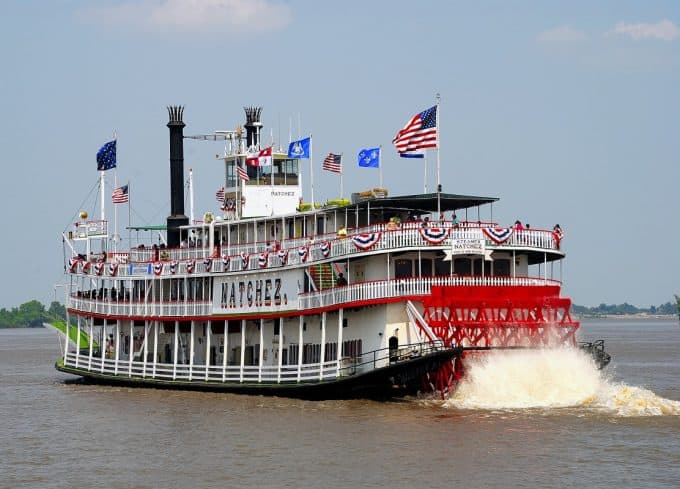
<point>244,260</point>
<point>86,266</point>
<point>73,264</point>
<point>366,241</point>
<point>98,268</point>
<point>226,261</point>
<point>326,249</point>
<point>303,252</point>
<point>173,267</point>
<point>191,265</point>
<point>207,263</point>
<point>158,268</point>
<point>262,260</point>
<point>113,269</point>
<point>498,235</point>
<point>434,236</point>
<point>283,256</point>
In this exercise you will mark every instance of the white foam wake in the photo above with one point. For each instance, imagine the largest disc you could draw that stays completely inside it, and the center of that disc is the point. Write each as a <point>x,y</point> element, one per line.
<point>550,378</point>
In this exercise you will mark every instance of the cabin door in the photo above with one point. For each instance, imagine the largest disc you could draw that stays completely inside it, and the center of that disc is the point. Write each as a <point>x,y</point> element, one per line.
<point>394,348</point>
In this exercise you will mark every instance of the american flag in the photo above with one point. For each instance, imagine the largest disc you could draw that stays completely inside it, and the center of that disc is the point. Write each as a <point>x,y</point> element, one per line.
<point>120,195</point>
<point>333,163</point>
<point>419,132</point>
<point>219,195</point>
<point>242,173</point>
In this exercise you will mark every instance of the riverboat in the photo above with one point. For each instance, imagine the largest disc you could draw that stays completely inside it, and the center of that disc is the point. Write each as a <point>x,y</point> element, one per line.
<point>376,296</point>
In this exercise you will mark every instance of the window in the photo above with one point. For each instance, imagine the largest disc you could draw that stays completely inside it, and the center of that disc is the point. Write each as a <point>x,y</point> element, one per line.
<point>501,268</point>
<point>462,266</point>
<point>442,267</point>
<point>426,267</point>
<point>402,268</point>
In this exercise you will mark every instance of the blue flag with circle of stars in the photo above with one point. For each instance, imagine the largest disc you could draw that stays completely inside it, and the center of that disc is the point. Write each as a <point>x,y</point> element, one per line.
<point>369,158</point>
<point>106,156</point>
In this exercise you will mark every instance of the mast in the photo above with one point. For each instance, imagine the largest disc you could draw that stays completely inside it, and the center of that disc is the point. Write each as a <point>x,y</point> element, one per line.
<point>439,185</point>
<point>191,195</point>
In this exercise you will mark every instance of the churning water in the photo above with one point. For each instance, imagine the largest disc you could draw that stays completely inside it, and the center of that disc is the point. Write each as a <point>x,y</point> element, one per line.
<point>551,378</point>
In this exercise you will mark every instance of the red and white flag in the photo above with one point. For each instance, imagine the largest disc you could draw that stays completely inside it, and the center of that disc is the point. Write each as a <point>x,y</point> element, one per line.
<point>262,158</point>
<point>242,173</point>
<point>418,133</point>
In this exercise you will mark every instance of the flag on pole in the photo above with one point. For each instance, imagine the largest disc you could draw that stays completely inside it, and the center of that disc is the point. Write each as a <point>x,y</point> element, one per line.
<point>106,156</point>
<point>415,154</point>
<point>120,195</point>
<point>299,149</point>
<point>369,158</point>
<point>219,195</point>
<point>418,133</point>
<point>263,158</point>
<point>333,163</point>
<point>242,173</point>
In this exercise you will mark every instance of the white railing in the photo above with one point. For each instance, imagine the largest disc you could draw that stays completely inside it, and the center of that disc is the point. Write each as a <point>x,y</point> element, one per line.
<point>201,373</point>
<point>407,235</point>
<point>417,286</point>
<point>122,308</point>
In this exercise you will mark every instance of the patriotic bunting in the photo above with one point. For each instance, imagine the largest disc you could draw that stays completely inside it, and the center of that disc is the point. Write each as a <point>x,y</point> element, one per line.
<point>498,235</point>
<point>73,264</point>
<point>173,267</point>
<point>244,260</point>
<point>366,241</point>
<point>303,251</point>
<point>98,268</point>
<point>434,235</point>
<point>86,266</point>
<point>207,263</point>
<point>226,261</point>
<point>191,265</point>
<point>158,268</point>
<point>262,260</point>
<point>113,269</point>
<point>325,249</point>
<point>283,256</point>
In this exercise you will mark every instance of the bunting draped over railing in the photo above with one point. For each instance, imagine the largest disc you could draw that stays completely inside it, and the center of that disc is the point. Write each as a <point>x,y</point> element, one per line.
<point>191,264</point>
<point>173,267</point>
<point>226,261</point>
<point>283,256</point>
<point>366,241</point>
<point>434,236</point>
<point>325,249</point>
<point>244,260</point>
<point>207,263</point>
<point>498,235</point>
<point>303,251</point>
<point>113,269</point>
<point>262,260</point>
<point>158,268</point>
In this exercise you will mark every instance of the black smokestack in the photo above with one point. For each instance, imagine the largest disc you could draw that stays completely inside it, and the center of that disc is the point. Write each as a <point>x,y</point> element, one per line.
<point>253,125</point>
<point>176,217</point>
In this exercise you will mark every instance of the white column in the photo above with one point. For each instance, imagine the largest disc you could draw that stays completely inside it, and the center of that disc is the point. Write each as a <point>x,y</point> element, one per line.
<point>67,328</point>
<point>341,314</point>
<point>78,343</point>
<point>117,341</point>
<point>300,346</point>
<point>175,347</point>
<point>191,349</point>
<point>146,346</point>
<point>323,344</point>
<point>208,333</point>
<point>225,349</point>
<point>102,347</point>
<point>89,357</point>
<point>155,349</point>
<point>243,347</point>
<point>261,364</point>
<point>278,377</point>
<point>131,349</point>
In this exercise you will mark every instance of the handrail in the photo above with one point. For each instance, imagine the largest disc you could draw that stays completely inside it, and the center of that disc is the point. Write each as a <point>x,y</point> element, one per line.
<point>406,236</point>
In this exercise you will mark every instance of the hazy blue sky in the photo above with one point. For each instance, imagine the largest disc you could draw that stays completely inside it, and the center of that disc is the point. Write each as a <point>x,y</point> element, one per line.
<point>566,111</point>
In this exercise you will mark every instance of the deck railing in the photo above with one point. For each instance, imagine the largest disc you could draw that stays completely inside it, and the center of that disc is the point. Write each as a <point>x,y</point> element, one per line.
<point>127,308</point>
<point>251,374</point>
<point>254,256</point>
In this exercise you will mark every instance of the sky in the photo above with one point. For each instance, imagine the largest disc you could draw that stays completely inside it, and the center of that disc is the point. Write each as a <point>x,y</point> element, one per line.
<point>568,112</point>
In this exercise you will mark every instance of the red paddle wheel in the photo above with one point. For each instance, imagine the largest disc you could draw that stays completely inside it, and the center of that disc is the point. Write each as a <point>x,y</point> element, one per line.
<point>488,317</point>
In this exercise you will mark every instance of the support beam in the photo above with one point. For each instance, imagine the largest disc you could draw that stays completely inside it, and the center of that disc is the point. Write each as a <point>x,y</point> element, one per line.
<point>278,376</point>
<point>243,347</point>
<point>191,349</point>
<point>341,317</point>
<point>323,345</point>
<point>260,354</point>
<point>155,349</point>
<point>117,343</point>
<point>174,357</point>
<point>208,334</point>
<point>300,348</point>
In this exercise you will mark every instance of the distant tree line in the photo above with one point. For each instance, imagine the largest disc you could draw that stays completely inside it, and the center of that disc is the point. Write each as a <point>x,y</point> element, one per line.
<point>620,309</point>
<point>31,314</point>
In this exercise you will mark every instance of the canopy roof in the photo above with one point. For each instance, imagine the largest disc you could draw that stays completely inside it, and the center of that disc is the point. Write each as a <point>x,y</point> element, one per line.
<point>424,203</point>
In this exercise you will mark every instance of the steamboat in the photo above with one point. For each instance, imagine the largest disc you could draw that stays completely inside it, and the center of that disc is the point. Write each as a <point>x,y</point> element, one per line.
<point>377,296</point>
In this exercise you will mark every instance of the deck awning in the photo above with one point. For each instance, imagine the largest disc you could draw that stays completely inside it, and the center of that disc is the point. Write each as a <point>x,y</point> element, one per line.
<point>424,203</point>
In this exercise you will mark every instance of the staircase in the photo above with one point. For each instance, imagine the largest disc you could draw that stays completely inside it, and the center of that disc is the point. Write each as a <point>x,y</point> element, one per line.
<point>323,276</point>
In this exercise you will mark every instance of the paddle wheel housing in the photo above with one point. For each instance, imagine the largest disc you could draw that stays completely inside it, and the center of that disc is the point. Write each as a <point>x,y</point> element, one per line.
<point>488,317</point>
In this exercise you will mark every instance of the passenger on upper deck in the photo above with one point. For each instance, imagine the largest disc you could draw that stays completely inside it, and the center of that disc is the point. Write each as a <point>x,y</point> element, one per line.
<point>342,232</point>
<point>341,281</point>
<point>518,226</point>
<point>426,222</point>
<point>454,219</point>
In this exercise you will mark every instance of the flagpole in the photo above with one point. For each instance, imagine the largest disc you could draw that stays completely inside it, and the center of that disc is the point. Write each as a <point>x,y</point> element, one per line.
<point>380,184</point>
<point>191,195</point>
<point>115,214</point>
<point>129,215</point>
<point>311,169</point>
<point>342,194</point>
<point>439,186</point>
<point>425,160</point>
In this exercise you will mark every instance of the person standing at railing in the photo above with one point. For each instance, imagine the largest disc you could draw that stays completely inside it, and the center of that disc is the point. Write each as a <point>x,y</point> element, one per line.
<point>454,220</point>
<point>341,281</point>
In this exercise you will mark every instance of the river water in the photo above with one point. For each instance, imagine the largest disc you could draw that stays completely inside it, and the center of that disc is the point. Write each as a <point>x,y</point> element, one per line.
<point>522,420</point>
